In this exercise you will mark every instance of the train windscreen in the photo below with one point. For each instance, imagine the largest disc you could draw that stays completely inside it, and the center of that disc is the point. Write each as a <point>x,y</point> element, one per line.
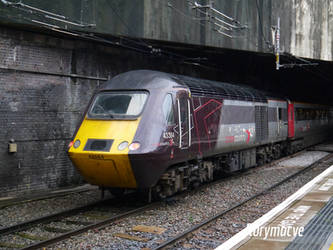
<point>118,105</point>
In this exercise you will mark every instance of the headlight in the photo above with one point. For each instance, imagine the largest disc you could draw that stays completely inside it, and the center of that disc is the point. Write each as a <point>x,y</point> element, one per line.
<point>77,144</point>
<point>134,146</point>
<point>122,145</point>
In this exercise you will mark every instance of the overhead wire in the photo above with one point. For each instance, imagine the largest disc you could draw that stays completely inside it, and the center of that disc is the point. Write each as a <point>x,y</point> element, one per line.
<point>206,13</point>
<point>288,56</point>
<point>137,45</point>
<point>47,14</point>
<point>181,12</point>
<point>129,29</point>
<point>145,47</point>
<point>209,19</point>
<point>160,51</point>
<point>320,74</point>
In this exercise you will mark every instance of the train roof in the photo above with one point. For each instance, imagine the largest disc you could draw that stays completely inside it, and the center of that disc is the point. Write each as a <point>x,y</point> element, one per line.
<point>203,87</point>
<point>148,79</point>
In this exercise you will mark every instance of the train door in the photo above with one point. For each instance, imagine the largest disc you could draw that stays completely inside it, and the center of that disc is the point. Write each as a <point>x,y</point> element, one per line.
<point>291,120</point>
<point>278,119</point>
<point>184,121</point>
<point>282,123</point>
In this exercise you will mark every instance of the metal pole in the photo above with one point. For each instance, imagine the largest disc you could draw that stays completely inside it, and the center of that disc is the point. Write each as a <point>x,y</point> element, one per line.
<point>277,45</point>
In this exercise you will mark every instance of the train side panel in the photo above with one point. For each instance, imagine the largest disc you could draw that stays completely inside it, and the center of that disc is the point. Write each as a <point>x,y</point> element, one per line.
<point>311,123</point>
<point>236,126</point>
<point>230,125</point>
<point>206,117</point>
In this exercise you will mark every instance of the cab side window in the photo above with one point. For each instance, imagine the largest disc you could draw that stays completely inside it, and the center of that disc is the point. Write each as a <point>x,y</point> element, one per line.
<point>168,110</point>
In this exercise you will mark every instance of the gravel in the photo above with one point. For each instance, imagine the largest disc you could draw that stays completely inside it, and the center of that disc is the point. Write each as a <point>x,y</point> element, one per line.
<point>22,212</point>
<point>193,208</point>
<point>230,224</point>
<point>304,159</point>
<point>175,216</point>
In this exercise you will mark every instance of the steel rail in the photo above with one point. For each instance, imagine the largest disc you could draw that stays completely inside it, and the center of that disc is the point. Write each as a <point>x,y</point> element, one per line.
<point>99,225</point>
<point>198,226</point>
<point>28,224</point>
<point>47,196</point>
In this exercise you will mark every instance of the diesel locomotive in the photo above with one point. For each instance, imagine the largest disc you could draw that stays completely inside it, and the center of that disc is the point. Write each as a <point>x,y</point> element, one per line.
<point>165,133</point>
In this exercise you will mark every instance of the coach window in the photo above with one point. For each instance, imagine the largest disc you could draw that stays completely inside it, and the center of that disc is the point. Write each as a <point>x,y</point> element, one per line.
<point>300,114</point>
<point>168,110</point>
<point>280,114</point>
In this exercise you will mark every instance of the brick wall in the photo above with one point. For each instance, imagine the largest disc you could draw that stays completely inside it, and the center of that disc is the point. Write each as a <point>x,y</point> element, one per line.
<point>38,110</point>
<point>41,102</point>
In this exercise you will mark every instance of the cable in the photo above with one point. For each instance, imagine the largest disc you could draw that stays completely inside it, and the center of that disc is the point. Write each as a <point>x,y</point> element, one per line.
<point>142,46</point>
<point>46,14</point>
<point>138,45</point>
<point>289,58</point>
<point>126,25</point>
<point>168,54</point>
<point>181,12</point>
<point>205,13</point>
<point>142,42</point>
<point>268,44</point>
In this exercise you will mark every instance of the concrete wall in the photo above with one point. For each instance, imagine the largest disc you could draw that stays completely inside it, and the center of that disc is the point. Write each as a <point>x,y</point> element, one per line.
<point>312,29</point>
<point>306,25</point>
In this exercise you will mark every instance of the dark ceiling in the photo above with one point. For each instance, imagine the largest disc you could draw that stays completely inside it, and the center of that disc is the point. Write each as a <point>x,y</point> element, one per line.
<point>297,80</point>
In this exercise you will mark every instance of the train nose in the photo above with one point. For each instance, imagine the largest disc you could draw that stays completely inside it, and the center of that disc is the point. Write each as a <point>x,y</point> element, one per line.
<point>101,155</point>
<point>103,162</point>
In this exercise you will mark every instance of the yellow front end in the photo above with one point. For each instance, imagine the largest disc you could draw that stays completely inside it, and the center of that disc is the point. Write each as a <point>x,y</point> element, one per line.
<point>107,169</point>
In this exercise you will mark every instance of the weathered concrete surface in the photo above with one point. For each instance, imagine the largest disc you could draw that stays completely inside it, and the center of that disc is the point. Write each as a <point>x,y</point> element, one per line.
<point>312,29</point>
<point>306,25</point>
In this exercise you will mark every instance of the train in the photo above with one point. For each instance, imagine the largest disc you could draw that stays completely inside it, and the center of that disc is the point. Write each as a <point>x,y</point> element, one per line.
<point>166,133</point>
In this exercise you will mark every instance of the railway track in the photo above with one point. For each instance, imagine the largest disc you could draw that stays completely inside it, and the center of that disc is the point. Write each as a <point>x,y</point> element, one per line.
<point>39,197</point>
<point>61,234</point>
<point>144,238</point>
<point>58,227</point>
<point>74,221</point>
<point>171,242</point>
